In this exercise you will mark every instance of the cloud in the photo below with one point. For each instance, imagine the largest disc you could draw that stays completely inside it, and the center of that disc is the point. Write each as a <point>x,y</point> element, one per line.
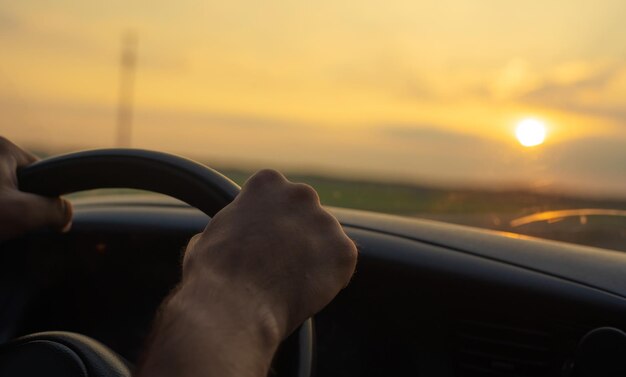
<point>515,78</point>
<point>9,22</point>
<point>390,72</point>
<point>433,134</point>
<point>587,95</point>
<point>49,31</point>
<point>589,166</point>
<point>417,152</point>
<point>432,151</point>
<point>593,164</point>
<point>554,92</point>
<point>215,119</point>
<point>593,158</point>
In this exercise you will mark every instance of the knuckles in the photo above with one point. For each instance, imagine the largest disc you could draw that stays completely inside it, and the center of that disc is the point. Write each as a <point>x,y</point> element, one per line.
<point>8,150</point>
<point>326,221</point>
<point>297,205</point>
<point>273,183</point>
<point>348,251</point>
<point>265,177</point>
<point>190,256</point>
<point>301,192</point>
<point>269,175</point>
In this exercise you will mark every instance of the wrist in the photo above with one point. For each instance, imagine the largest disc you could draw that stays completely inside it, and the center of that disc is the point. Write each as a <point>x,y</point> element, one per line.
<point>209,283</point>
<point>231,307</point>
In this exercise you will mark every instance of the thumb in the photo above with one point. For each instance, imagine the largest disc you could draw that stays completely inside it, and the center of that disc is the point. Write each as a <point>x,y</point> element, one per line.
<point>35,211</point>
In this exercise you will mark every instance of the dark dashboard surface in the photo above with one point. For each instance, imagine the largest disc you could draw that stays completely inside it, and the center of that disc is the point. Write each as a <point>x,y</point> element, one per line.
<point>414,307</point>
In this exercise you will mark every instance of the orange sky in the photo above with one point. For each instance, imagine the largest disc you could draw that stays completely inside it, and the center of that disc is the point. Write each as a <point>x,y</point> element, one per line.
<point>413,90</point>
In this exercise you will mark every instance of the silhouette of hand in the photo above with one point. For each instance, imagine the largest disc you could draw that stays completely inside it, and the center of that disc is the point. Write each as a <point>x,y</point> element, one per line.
<point>21,212</point>
<point>274,250</point>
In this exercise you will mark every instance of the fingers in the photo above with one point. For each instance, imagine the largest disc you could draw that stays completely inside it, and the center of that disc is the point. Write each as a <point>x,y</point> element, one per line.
<point>348,257</point>
<point>32,211</point>
<point>274,184</point>
<point>279,245</point>
<point>24,211</point>
<point>21,157</point>
<point>11,158</point>
<point>188,256</point>
<point>301,192</point>
<point>302,200</point>
<point>264,179</point>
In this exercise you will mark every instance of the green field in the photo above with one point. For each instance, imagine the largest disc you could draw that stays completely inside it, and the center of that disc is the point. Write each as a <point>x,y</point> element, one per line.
<point>406,199</point>
<point>481,208</point>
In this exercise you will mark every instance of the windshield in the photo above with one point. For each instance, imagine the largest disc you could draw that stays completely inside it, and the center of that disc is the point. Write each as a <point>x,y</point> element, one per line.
<point>486,113</point>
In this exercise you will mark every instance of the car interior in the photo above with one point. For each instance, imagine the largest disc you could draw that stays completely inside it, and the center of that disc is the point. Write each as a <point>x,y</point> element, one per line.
<point>427,299</point>
<point>474,151</point>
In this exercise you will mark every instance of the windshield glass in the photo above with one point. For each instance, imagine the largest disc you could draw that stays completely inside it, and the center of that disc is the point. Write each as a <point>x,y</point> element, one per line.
<point>486,113</point>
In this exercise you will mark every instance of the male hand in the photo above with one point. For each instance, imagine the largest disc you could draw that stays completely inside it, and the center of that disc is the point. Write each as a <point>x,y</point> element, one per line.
<point>276,247</point>
<point>21,212</point>
<point>265,263</point>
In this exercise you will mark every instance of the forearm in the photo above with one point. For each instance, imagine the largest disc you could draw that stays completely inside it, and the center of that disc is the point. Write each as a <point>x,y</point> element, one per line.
<point>212,335</point>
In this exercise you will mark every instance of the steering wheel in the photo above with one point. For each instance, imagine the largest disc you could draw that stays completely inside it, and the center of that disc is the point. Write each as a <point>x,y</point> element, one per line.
<point>181,178</point>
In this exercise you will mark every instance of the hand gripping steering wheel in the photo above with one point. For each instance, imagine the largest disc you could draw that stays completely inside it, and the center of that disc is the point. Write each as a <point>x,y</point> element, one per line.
<point>181,178</point>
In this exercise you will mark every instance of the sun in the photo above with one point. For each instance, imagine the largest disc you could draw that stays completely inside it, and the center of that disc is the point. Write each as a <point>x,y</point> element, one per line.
<point>530,132</point>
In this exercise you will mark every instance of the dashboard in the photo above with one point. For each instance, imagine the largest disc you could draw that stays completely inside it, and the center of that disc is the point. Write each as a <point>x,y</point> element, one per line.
<point>419,304</point>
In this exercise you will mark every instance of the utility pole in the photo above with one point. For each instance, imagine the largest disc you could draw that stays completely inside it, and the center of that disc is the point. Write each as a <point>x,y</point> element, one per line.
<point>128,63</point>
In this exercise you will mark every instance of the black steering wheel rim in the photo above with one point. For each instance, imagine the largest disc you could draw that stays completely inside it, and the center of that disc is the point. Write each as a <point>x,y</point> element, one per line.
<point>196,184</point>
<point>179,177</point>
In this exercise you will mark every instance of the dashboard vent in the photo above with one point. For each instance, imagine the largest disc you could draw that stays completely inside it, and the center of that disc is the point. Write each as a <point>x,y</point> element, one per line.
<point>487,349</point>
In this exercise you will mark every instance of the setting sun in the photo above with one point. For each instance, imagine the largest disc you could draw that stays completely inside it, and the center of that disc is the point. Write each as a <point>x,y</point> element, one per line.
<point>530,132</point>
